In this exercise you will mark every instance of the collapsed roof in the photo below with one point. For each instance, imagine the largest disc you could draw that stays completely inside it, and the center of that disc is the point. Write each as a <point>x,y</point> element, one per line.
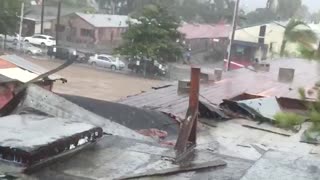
<point>233,83</point>
<point>230,150</point>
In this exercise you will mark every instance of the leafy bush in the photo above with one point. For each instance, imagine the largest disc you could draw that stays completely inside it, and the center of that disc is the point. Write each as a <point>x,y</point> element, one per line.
<point>288,120</point>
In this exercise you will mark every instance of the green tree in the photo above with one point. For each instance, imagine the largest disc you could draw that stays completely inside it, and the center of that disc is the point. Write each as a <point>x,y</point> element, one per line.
<point>298,32</point>
<point>9,16</point>
<point>154,36</point>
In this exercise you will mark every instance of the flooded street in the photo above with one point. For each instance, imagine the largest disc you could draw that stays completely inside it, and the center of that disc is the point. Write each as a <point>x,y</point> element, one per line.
<point>96,83</point>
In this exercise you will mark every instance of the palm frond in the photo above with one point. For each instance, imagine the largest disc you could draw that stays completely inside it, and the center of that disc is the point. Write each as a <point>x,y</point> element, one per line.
<point>294,24</point>
<point>302,35</point>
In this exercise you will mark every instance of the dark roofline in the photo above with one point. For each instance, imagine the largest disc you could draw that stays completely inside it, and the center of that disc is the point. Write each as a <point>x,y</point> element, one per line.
<point>75,13</point>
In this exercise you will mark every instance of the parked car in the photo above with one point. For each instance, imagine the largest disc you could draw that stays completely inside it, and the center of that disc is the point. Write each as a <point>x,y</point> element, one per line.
<point>10,38</point>
<point>25,48</point>
<point>63,53</point>
<point>42,40</point>
<point>106,61</point>
<point>152,67</point>
<point>83,57</point>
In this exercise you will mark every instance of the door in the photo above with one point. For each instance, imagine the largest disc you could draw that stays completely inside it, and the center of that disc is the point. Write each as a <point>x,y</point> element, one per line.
<point>107,62</point>
<point>102,61</point>
<point>38,40</point>
<point>99,60</point>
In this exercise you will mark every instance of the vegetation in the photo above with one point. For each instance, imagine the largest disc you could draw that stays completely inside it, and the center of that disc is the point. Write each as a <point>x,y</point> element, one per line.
<point>298,32</point>
<point>8,16</point>
<point>288,120</point>
<point>155,36</point>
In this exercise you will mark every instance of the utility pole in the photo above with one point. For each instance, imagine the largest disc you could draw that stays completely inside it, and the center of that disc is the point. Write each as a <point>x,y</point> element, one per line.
<point>42,15</point>
<point>234,28</point>
<point>21,24</point>
<point>58,23</point>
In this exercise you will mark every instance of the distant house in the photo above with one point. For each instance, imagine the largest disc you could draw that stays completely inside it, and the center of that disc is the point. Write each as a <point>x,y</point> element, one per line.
<point>212,40</point>
<point>269,35</point>
<point>201,37</point>
<point>94,29</point>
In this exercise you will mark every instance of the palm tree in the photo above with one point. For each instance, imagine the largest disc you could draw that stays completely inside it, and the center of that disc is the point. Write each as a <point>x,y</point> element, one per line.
<point>294,34</point>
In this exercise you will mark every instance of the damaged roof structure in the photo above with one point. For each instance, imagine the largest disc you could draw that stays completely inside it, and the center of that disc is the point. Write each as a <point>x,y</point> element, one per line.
<point>17,68</point>
<point>230,145</point>
<point>233,84</point>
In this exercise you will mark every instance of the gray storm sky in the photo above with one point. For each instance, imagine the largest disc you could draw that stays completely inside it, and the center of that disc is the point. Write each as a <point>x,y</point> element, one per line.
<point>248,5</point>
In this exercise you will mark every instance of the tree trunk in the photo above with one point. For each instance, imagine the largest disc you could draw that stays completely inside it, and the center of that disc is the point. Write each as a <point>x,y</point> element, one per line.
<point>145,68</point>
<point>283,48</point>
<point>5,41</point>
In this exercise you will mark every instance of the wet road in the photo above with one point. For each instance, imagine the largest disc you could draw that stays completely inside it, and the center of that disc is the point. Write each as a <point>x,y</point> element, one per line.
<point>98,83</point>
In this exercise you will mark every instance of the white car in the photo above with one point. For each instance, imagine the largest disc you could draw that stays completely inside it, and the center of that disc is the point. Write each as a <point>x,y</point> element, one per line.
<point>106,61</point>
<point>25,48</point>
<point>40,39</point>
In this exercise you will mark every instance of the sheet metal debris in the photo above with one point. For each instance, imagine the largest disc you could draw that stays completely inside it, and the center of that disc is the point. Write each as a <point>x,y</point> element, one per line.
<point>14,63</point>
<point>261,107</point>
<point>27,140</point>
<point>234,83</point>
<point>264,109</point>
<point>191,167</point>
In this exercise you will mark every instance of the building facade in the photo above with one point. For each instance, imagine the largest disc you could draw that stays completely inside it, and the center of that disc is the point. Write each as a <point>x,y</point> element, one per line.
<point>91,29</point>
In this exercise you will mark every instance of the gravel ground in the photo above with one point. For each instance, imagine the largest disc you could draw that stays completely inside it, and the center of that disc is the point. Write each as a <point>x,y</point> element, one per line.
<point>98,83</point>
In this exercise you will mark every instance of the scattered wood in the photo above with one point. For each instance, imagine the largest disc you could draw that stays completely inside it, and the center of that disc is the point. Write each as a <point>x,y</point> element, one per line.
<point>268,128</point>
<point>191,167</point>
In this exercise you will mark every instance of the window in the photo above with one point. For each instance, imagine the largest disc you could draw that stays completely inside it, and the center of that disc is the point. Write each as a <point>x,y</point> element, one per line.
<point>103,58</point>
<point>86,32</point>
<point>39,37</point>
<point>112,59</point>
<point>262,34</point>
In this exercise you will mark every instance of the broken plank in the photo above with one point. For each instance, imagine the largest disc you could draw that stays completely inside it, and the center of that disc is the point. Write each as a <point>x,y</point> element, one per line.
<point>174,170</point>
<point>270,130</point>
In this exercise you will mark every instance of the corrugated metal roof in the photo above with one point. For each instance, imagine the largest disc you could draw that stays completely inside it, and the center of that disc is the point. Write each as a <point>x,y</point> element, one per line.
<point>233,83</point>
<point>201,31</point>
<point>24,65</point>
<point>105,20</point>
